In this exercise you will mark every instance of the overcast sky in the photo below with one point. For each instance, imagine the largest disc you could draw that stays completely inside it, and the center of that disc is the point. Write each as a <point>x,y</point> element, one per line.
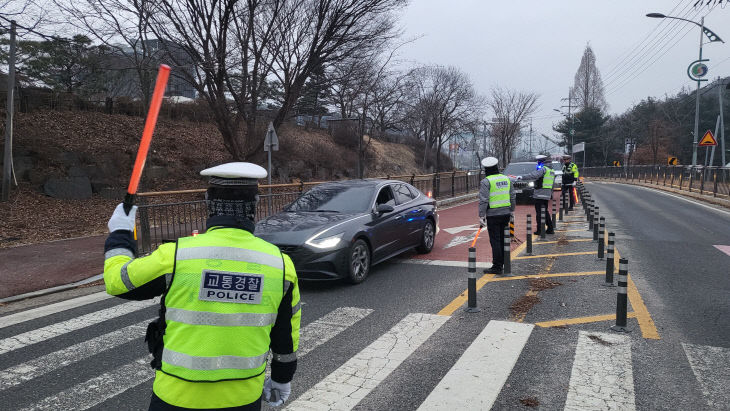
<point>537,45</point>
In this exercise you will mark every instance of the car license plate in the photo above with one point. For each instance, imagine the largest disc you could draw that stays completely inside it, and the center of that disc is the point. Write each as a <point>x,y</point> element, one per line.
<point>518,191</point>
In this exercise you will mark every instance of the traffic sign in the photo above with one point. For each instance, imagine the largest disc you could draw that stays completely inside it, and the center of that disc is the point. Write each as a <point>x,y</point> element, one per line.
<point>272,140</point>
<point>707,140</point>
<point>617,164</point>
<point>672,161</point>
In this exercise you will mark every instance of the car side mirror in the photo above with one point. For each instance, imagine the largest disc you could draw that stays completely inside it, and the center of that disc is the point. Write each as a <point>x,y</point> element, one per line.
<point>384,208</point>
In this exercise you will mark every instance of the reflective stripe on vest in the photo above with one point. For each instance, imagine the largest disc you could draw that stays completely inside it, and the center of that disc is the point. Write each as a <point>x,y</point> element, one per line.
<point>499,186</point>
<point>214,340</point>
<point>213,363</point>
<point>548,178</point>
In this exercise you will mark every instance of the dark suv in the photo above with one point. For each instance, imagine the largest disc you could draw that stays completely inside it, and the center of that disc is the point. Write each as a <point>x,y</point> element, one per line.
<point>523,188</point>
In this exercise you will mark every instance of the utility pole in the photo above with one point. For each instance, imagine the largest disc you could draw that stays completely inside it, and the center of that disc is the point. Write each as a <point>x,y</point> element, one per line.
<point>572,118</point>
<point>530,137</point>
<point>8,150</point>
<point>697,104</point>
<point>721,85</point>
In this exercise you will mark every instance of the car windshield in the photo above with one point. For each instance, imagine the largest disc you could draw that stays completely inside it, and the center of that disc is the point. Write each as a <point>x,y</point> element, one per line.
<point>520,169</point>
<point>334,198</point>
<point>555,166</point>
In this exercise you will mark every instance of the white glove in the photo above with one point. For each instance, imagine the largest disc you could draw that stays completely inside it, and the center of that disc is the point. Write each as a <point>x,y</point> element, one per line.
<point>276,393</point>
<point>482,222</point>
<point>120,220</point>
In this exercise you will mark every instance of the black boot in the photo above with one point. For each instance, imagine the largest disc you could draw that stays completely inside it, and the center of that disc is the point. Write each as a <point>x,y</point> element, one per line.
<point>494,270</point>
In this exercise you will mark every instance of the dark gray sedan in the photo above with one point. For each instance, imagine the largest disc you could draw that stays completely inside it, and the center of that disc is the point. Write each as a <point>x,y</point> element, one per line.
<point>340,229</point>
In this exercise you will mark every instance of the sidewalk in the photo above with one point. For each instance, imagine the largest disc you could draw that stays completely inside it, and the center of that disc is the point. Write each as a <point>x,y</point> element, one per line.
<point>36,267</point>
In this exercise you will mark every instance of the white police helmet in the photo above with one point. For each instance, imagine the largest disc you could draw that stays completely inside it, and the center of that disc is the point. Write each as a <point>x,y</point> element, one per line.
<point>489,162</point>
<point>540,158</point>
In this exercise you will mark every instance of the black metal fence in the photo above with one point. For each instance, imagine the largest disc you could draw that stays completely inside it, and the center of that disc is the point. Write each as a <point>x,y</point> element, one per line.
<point>167,215</point>
<point>711,181</point>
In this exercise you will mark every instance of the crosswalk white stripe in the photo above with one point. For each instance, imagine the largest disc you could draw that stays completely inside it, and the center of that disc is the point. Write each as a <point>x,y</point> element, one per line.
<point>99,389</point>
<point>132,375</point>
<point>349,384</point>
<point>602,376</point>
<point>476,379</point>
<point>37,367</point>
<point>35,336</point>
<point>45,310</point>
<point>323,329</point>
<point>711,366</point>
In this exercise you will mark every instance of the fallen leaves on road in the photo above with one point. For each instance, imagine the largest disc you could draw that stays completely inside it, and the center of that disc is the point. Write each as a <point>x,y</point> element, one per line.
<point>530,402</point>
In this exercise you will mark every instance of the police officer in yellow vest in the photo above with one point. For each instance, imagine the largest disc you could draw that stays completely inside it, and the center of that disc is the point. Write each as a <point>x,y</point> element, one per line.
<point>544,178</point>
<point>496,203</point>
<point>570,175</point>
<point>228,298</point>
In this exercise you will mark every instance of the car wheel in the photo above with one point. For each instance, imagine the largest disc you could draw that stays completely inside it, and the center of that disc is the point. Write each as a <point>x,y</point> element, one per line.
<point>428,237</point>
<point>358,266</point>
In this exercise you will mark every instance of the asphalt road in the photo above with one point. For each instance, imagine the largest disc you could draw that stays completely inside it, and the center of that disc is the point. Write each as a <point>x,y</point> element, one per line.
<point>402,340</point>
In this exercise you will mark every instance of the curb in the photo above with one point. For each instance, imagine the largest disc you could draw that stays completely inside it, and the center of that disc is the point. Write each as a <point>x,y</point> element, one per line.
<point>50,290</point>
<point>452,200</point>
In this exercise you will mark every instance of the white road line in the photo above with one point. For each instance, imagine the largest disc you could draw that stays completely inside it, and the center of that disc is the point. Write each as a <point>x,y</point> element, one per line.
<point>659,191</point>
<point>602,376</point>
<point>711,366</point>
<point>34,313</point>
<point>35,336</point>
<point>325,328</point>
<point>99,389</point>
<point>87,394</point>
<point>444,263</point>
<point>475,381</point>
<point>349,384</point>
<point>36,367</point>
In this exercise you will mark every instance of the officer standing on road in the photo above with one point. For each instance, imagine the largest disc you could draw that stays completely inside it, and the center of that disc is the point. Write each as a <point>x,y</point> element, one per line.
<point>544,177</point>
<point>570,175</point>
<point>227,299</point>
<point>496,203</point>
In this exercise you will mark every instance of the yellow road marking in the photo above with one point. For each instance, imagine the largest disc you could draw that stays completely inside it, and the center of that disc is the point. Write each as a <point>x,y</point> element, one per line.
<point>568,231</point>
<point>579,240</point>
<point>648,329</point>
<point>463,297</point>
<point>554,255</point>
<point>521,247</point>
<point>582,320</point>
<point>522,277</point>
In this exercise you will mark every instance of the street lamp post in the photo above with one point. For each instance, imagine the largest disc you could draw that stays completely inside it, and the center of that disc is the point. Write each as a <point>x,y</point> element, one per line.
<point>713,37</point>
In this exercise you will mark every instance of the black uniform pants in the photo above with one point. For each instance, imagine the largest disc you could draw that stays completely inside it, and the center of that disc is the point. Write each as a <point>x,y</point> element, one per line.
<point>495,227</point>
<point>156,404</point>
<point>548,221</point>
<point>567,190</point>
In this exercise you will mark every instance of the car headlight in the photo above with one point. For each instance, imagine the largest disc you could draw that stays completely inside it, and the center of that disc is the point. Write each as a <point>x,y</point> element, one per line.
<point>531,184</point>
<point>325,242</point>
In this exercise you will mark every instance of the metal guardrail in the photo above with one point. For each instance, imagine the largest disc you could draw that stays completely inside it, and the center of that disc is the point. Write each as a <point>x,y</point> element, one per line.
<point>167,215</point>
<point>714,181</point>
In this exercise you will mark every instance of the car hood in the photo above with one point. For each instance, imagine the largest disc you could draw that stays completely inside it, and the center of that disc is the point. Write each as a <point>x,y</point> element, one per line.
<point>294,228</point>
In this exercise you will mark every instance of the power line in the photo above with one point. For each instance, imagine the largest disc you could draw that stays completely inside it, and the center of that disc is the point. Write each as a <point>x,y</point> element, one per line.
<point>637,59</point>
<point>622,57</point>
<point>656,55</point>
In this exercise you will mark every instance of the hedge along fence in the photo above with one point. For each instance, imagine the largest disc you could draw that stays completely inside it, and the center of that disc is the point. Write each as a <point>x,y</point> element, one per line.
<point>167,215</point>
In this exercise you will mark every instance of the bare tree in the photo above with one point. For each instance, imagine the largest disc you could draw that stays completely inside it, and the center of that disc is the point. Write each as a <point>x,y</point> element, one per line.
<point>511,109</point>
<point>588,86</point>
<point>443,101</point>
<point>239,47</point>
<point>123,26</point>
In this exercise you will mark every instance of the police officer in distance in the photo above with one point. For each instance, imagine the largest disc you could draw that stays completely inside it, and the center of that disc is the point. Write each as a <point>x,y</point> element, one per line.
<point>544,178</point>
<point>570,175</point>
<point>496,204</point>
<point>227,299</point>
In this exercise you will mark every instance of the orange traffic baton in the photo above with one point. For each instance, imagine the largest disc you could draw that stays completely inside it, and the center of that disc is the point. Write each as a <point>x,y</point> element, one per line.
<point>149,127</point>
